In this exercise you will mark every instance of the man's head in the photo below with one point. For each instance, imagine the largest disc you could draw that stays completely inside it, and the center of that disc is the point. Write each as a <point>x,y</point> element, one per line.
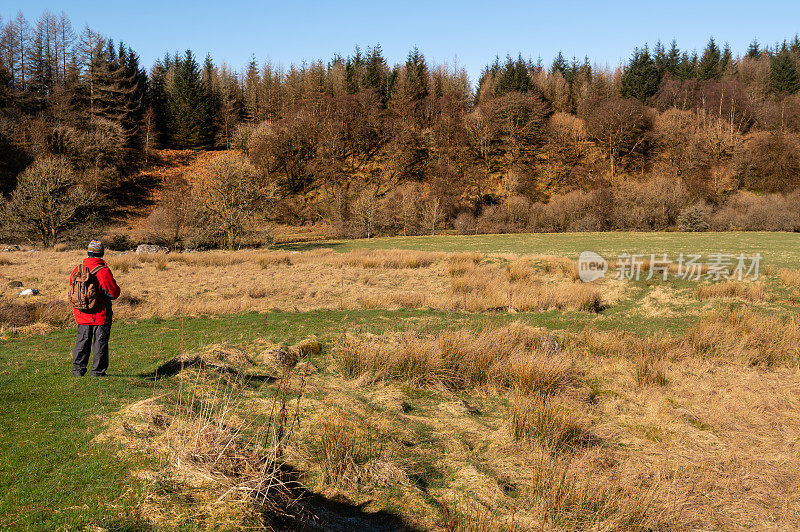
<point>96,248</point>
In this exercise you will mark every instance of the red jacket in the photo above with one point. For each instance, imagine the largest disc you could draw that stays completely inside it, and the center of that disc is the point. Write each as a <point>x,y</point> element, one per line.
<point>109,288</point>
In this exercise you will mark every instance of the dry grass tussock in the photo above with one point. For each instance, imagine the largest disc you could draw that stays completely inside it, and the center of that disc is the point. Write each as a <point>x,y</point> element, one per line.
<point>790,277</point>
<point>543,420</point>
<point>749,337</point>
<point>562,265</point>
<point>511,357</point>
<point>598,448</point>
<point>26,315</point>
<point>748,291</point>
<point>546,411</point>
<point>516,286</point>
<point>218,282</point>
<point>738,335</point>
<point>220,446</point>
<point>350,451</point>
<point>574,502</point>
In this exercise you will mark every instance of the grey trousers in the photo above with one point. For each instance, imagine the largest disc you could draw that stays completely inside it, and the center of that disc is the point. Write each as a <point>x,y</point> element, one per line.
<point>91,338</point>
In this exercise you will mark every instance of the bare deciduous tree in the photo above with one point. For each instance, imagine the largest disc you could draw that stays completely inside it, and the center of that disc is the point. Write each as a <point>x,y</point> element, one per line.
<point>228,194</point>
<point>619,126</point>
<point>47,201</point>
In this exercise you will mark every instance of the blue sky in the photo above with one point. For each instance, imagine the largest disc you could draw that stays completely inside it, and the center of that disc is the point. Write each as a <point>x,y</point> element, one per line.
<point>472,33</point>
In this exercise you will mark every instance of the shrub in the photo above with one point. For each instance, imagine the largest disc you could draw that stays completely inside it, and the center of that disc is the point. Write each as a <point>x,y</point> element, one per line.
<point>769,162</point>
<point>48,201</point>
<point>227,195</point>
<point>694,218</point>
<point>564,210</point>
<point>465,223</point>
<point>745,211</point>
<point>619,126</point>
<point>653,204</point>
<point>120,242</point>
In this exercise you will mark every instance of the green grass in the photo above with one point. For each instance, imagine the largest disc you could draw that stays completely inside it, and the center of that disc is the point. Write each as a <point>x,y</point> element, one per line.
<point>51,473</point>
<point>777,249</point>
<point>52,476</point>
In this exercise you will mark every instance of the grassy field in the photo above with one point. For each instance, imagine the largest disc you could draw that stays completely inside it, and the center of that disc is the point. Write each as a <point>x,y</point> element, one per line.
<point>780,250</point>
<point>52,474</point>
<point>438,400</point>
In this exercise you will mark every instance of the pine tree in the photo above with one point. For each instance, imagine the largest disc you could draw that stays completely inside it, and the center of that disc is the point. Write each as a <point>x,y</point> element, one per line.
<point>157,97</point>
<point>586,68</point>
<point>376,72</point>
<point>513,77</point>
<point>136,80</point>
<point>230,106</point>
<point>354,72</point>
<point>726,61</point>
<point>660,57</point>
<point>794,46</point>
<point>754,50</point>
<point>17,35</point>
<point>673,59</point>
<point>90,46</point>
<point>641,77</point>
<point>416,74</point>
<point>211,96</point>
<point>252,100</point>
<point>559,65</point>
<point>783,75</point>
<point>189,113</point>
<point>710,67</point>
<point>115,90</point>
<point>687,68</point>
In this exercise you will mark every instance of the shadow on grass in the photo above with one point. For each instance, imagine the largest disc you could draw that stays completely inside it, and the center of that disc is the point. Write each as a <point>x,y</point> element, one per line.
<point>313,511</point>
<point>126,525</point>
<point>340,514</point>
<point>175,365</point>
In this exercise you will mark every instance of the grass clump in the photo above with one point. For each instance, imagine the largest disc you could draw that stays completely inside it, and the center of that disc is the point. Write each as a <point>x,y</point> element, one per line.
<point>389,259</point>
<point>481,287</point>
<point>738,333</point>
<point>513,356</point>
<point>560,265</point>
<point>570,502</point>
<point>268,260</point>
<point>52,313</point>
<point>790,277</point>
<point>648,361</point>
<point>351,452</point>
<point>747,291</point>
<point>124,263</point>
<point>541,420</point>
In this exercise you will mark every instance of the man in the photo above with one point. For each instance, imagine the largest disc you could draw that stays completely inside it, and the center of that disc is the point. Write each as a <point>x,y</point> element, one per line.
<point>94,325</point>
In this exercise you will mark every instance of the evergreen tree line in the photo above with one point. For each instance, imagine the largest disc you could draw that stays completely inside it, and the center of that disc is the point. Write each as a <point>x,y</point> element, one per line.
<point>345,138</point>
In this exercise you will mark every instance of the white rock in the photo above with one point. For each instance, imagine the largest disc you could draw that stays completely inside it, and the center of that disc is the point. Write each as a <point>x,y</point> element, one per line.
<point>29,292</point>
<point>150,248</point>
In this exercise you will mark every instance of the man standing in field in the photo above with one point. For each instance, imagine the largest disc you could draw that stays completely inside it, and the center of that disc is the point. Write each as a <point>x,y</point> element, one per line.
<point>91,290</point>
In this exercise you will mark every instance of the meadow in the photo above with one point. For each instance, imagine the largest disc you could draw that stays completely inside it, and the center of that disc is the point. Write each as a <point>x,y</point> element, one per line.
<point>430,383</point>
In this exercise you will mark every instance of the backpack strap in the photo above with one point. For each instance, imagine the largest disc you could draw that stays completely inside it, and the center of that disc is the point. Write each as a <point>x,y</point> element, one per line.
<point>97,269</point>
